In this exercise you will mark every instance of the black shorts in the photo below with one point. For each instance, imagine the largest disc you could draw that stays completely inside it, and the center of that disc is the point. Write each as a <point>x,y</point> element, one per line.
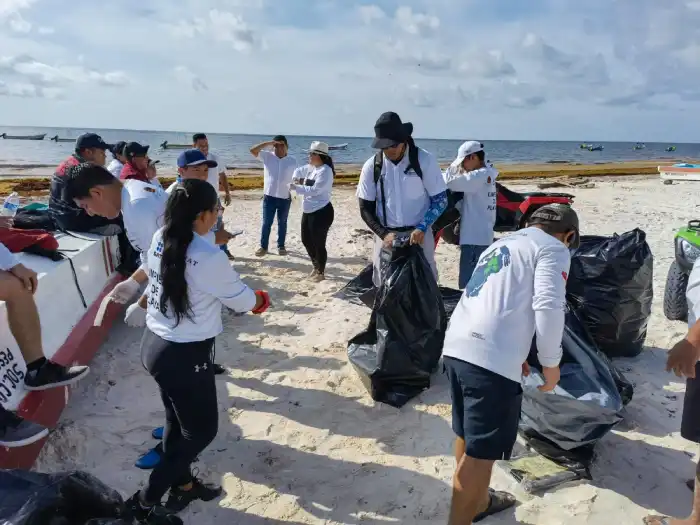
<point>690,424</point>
<point>485,409</point>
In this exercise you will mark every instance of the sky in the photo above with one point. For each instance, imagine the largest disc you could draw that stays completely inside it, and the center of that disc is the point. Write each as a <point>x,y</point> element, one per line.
<point>598,70</point>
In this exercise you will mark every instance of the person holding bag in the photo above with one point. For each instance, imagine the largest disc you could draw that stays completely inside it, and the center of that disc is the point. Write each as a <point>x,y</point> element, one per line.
<point>314,182</point>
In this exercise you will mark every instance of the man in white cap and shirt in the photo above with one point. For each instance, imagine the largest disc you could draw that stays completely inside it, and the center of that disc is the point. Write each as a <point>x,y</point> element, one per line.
<point>471,175</point>
<point>401,191</point>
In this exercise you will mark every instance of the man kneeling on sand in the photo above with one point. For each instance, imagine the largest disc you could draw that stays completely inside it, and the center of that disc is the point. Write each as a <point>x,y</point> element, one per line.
<point>517,291</point>
<point>17,287</point>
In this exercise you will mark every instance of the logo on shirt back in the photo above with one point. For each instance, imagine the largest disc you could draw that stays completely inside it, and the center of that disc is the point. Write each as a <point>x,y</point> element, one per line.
<point>490,264</point>
<point>159,249</point>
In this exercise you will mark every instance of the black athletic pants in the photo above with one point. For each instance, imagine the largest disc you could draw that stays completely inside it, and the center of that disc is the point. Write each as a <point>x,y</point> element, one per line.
<point>314,232</point>
<point>185,375</point>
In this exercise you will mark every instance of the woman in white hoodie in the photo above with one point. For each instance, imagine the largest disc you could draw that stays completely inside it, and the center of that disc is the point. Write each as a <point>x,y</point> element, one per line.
<point>470,174</point>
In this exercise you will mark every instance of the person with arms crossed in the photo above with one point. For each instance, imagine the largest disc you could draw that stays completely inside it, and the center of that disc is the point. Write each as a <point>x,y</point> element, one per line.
<point>401,191</point>
<point>18,284</point>
<point>683,361</point>
<point>470,175</point>
<point>188,280</point>
<point>314,182</point>
<point>278,172</point>
<point>517,291</point>
<point>217,178</point>
<point>136,167</point>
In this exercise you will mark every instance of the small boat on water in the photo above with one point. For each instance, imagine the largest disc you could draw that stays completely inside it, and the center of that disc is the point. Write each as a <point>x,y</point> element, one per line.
<point>338,146</point>
<point>59,139</point>
<point>167,145</point>
<point>584,145</point>
<point>639,145</point>
<point>671,148</point>
<point>23,137</point>
<point>598,147</point>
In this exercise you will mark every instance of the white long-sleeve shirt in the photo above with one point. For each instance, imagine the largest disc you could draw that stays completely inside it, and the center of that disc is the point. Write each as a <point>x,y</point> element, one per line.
<point>478,207</point>
<point>143,207</point>
<point>316,187</point>
<point>211,282</point>
<point>517,290</point>
<point>115,168</point>
<point>8,260</point>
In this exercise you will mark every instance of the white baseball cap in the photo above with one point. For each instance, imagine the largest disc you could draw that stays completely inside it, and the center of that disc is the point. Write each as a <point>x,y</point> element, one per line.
<point>318,147</point>
<point>467,148</point>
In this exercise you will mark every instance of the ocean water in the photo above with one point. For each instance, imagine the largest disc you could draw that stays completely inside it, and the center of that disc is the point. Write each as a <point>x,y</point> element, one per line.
<point>234,148</point>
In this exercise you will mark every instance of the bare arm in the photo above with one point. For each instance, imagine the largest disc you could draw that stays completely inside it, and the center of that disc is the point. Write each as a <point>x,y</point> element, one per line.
<point>255,150</point>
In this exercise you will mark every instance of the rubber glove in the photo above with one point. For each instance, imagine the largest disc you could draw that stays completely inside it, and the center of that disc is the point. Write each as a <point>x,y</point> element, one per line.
<point>125,291</point>
<point>135,316</point>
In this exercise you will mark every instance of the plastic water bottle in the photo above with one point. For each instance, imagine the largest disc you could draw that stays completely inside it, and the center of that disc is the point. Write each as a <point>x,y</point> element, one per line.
<point>179,179</point>
<point>11,205</point>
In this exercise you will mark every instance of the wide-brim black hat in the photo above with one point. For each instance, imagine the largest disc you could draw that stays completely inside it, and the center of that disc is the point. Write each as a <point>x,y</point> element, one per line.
<point>389,130</point>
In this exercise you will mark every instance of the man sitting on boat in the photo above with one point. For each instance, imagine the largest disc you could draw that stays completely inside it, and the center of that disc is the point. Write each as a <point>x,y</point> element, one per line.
<point>136,166</point>
<point>17,287</point>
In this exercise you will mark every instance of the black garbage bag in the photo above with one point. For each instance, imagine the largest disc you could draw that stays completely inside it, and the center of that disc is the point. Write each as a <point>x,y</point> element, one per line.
<point>32,498</point>
<point>611,280</point>
<point>361,290</point>
<point>401,347</point>
<point>564,425</point>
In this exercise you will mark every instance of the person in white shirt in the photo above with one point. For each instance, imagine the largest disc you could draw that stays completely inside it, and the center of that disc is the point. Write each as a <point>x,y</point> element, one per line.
<point>517,291</point>
<point>117,164</point>
<point>18,284</point>
<point>470,175</point>
<point>188,281</point>
<point>217,178</point>
<point>278,171</point>
<point>684,361</point>
<point>401,191</point>
<point>314,182</point>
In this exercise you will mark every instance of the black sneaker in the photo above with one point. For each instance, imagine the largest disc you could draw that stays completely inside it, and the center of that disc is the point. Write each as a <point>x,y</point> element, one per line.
<point>219,370</point>
<point>155,515</point>
<point>17,432</point>
<point>178,499</point>
<point>52,375</point>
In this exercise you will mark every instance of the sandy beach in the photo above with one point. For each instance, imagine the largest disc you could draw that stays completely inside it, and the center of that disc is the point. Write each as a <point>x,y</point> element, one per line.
<point>301,442</point>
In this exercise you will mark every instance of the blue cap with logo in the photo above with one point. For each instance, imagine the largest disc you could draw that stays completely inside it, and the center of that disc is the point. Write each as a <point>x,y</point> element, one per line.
<point>194,157</point>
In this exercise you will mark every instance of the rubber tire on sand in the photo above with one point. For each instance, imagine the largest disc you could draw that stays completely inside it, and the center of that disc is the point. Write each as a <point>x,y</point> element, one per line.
<point>675,304</point>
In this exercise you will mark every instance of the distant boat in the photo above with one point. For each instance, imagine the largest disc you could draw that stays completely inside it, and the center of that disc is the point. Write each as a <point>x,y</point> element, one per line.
<point>23,137</point>
<point>339,146</point>
<point>639,145</point>
<point>585,146</point>
<point>58,139</point>
<point>671,148</point>
<point>598,147</point>
<point>167,145</point>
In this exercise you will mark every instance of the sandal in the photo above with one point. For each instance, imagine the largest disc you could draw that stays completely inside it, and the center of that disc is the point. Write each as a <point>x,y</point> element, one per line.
<point>657,520</point>
<point>499,501</point>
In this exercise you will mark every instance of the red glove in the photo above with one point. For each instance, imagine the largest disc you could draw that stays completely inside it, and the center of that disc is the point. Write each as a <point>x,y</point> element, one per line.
<point>265,302</point>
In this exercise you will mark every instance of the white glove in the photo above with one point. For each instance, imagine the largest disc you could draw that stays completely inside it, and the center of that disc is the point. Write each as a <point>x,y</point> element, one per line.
<point>125,291</point>
<point>135,316</point>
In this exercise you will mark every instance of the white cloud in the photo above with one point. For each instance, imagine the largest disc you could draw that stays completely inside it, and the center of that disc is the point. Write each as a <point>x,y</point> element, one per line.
<point>10,7</point>
<point>371,13</point>
<point>222,26</point>
<point>46,30</point>
<point>184,75</point>
<point>416,23</point>
<point>491,64</point>
<point>32,71</point>
<point>20,25</point>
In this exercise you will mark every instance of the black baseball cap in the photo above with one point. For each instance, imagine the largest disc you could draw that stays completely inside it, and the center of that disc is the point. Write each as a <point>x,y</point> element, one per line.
<point>561,217</point>
<point>134,149</point>
<point>91,140</point>
<point>118,148</point>
<point>280,138</point>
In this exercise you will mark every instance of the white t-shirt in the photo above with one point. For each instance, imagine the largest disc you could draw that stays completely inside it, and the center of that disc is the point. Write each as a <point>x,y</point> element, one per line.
<point>692,294</point>
<point>318,194</point>
<point>478,207</point>
<point>211,282</point>
<point>8,260</point>
<point>407,197</point>
<point>277,174</point>
<point>115,167</point>
<point>517,290</point>
<point>143,207</point>
<point>213,177</point>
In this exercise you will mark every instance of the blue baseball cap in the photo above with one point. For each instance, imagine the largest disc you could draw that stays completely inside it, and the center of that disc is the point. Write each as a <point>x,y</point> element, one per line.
<point>194,157</point>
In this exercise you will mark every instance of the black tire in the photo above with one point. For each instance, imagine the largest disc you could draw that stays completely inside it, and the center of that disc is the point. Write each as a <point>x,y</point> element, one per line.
<point>675,304</point>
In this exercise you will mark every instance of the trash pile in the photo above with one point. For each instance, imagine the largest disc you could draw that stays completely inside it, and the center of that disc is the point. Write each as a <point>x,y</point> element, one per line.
<point>68,498</point>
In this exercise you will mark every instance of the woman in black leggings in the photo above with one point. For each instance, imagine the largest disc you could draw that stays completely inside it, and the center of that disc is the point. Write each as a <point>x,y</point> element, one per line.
<point>188,280</point>
<point>314,183</point>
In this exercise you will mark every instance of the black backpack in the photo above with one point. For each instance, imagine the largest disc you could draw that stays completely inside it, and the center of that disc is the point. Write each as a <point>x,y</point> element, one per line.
<point>451,213</point>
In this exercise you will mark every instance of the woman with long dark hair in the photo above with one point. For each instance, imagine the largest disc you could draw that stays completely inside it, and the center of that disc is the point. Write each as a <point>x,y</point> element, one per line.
<point>189,279</point>
<point>314,182</point>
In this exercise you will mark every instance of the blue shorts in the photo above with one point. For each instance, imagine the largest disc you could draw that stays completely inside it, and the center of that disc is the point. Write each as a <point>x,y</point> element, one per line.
<point>485,409</point>
<point>468,259</point>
